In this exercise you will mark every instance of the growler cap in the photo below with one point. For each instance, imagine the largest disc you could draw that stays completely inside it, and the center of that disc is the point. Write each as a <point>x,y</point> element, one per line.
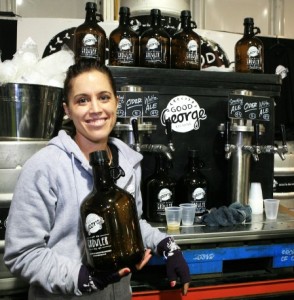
<point>185,13</point>
<point>248,21</point>
<point>99,158</point>
<point>155,11</point>
<point>193,153</point>
<point>124,10</point>
<point>91,5</point>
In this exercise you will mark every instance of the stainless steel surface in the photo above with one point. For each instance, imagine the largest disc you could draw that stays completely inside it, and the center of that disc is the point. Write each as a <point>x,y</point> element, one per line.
<point>240,167</point>
<point>14,154</point>
<point>29,111</point>
<point>258,229</point>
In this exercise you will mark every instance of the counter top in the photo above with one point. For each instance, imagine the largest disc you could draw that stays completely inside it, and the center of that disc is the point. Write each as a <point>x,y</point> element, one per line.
<point>258,229</point>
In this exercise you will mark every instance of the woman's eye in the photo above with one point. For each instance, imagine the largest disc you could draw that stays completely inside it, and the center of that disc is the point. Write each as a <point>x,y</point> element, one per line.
<point>104,98</point>
<point>82,100</point>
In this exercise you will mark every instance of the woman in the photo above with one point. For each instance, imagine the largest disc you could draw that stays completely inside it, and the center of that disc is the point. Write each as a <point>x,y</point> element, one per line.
<point>44,242</point>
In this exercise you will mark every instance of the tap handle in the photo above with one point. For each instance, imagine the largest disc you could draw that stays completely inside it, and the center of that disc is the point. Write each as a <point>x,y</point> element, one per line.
<point>256,132</point>
<point>227,133</point>
<point>168,130</point>
<point>135,130</point>
<point>283,133</point>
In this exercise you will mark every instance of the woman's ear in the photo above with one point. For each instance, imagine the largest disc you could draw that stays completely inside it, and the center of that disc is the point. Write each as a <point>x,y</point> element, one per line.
<point>66,110</point>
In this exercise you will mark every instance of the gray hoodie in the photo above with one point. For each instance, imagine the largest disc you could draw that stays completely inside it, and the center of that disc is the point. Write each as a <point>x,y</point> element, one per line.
<point>43,242</point>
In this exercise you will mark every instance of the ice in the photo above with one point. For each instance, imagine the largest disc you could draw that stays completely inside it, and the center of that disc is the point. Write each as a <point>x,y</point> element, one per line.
<point>27,67</point>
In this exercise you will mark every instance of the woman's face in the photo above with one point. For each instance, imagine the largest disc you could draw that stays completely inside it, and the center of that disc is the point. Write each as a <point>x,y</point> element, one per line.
<point>92,107</point>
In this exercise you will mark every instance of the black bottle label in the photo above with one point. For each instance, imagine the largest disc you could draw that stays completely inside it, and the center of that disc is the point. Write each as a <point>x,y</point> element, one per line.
<point>198,196</point>
<point>89,48</point>
<point>125,53</point>
<point>154,51</point>
<point>165,199</point>
<point>192,53</point>
<point>253,58</point>
<point>98,240</point>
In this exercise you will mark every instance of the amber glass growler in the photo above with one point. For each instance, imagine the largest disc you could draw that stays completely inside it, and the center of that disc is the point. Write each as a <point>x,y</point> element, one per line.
<point>124,42</point>
<point>155,44</point>
<point>158,191</point>
<point>110,221</point>
<point>192,186</point>
<point>90,38</point>
<point>186,45</point>
<point>249,50</point>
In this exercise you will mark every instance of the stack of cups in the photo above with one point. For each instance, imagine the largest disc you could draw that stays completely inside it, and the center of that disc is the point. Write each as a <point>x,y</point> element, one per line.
<point>256,198</point>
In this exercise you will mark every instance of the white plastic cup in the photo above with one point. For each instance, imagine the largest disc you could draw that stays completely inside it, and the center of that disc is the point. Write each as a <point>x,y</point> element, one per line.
<point>188,213</point>
<point>271,207</point>
<point>255,199</point>
<point>173,216</point>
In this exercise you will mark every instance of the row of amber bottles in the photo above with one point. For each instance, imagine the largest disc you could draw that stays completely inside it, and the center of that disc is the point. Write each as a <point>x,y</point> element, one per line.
<point>155,48</point>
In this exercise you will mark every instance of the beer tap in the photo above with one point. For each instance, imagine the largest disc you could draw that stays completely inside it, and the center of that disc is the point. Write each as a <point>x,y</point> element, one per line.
<point>254,150</point>
<point>136,145</point>
<point>280,150</point>
<point>153,148</point>
<point>229,148</point>
<point>169,134</point>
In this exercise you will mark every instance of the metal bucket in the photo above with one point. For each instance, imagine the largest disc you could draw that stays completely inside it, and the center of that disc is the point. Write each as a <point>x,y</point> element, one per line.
<point>30,111</point>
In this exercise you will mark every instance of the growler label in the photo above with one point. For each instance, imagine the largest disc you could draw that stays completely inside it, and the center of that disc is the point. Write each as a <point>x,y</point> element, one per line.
<point>89,48</point>
<point>192,52</point>
<point>165,200</point>
<point>125,54</point>
<point>199,198</point>
<point>98,242</point>
<point>153,51</point>
<point>253,60</point>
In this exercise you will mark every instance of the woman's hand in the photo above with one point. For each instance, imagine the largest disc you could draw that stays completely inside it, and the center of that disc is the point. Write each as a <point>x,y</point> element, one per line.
<point>144,261</point>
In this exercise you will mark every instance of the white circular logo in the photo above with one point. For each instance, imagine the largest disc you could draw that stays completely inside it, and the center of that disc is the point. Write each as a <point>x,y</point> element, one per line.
<point>93,223</point>
<point>198,194</point>
<point>164,195</point>
<point>124,44</point>
<point>184,113</point>
<point>192,45</point>
<point>89,40</point>
<point>152,44</point>
<point>252,51</point>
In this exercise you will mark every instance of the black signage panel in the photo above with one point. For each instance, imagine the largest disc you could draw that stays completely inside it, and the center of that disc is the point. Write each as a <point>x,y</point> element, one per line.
<point>258,108</point>
<point>138,104</point>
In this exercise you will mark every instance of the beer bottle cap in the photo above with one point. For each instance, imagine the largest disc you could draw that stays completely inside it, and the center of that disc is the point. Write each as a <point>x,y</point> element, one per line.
<point>155,11</point>
<point>248,21</point>
<point>99,158</point>
<point>124,10</point>
<point>91,5</point>
<point>185,13</point>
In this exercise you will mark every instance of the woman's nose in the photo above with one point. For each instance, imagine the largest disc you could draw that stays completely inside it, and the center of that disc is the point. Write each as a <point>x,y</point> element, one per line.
<point>95,106</point>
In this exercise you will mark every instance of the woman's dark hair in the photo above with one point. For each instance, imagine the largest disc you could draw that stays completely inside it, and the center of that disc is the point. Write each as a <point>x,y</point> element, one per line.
<point>85,65</point>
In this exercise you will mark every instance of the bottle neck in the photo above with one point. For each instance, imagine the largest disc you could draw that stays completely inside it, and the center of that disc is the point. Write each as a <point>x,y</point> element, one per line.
<point>124,20</point>
<point>91,15</point>
<point>161,165</point>
<point>193,163</point>
<point>249,30</point>
<point>186,23</point>
<point>155,21</point>
<point>102,177</point>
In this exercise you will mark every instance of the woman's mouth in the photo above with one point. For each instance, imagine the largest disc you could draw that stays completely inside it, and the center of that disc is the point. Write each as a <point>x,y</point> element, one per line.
<point>96,122</point>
